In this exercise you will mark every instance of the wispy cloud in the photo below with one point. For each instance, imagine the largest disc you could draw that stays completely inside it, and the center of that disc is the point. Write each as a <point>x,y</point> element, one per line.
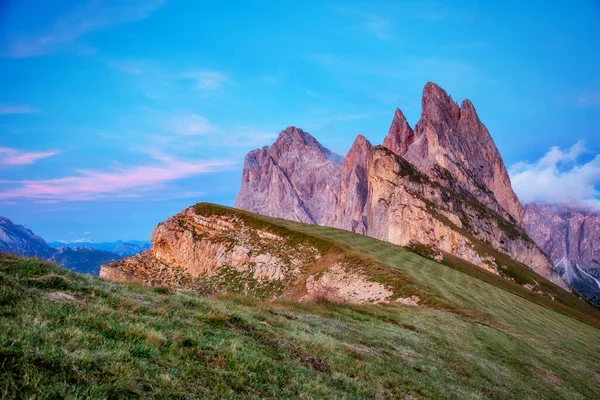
<point>90,16</point>
<point>208,80</point>
<point>378,26</point>
<point>558,177</point>
<point>6,110</point>
<point>156,80</point>
<point>10,156</point>
<point>117,183</point>
<point>190,125</point>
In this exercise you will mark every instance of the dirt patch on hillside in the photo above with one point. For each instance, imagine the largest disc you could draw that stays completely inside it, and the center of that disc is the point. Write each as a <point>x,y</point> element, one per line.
<point>59,297</point>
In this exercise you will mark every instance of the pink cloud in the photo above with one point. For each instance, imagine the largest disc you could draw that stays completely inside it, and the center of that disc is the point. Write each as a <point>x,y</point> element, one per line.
<point>10,156</point>
<point>6,110</point>
<point>124,182</point>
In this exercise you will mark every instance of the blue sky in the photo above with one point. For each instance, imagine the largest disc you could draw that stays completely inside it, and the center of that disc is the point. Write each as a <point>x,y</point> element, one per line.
<point>115,115</point>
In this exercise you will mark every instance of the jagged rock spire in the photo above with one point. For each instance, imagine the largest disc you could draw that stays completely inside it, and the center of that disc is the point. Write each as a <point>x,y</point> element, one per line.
<point>400,135</point>
<point>453,139</point>
<point>349,212</point>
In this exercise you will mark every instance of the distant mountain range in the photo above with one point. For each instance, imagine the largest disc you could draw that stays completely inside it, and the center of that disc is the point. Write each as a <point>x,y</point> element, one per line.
<point>119,247</point>
<point>79,257</point>
<point>571,238</point>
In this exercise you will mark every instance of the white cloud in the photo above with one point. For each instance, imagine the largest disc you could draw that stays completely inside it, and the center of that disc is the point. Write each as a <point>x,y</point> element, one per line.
<point>558,177</point>
<point>87,17</point>
<point>9,156</point>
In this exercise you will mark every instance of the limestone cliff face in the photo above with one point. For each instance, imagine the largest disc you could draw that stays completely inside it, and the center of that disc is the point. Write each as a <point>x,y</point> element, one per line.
<point>451,141</point>
<point>406,206</point>
<point>571,238</point>
<point>443,184</point>
<point>350,209</point>
<point>212,249</point>
<point>296,178</point>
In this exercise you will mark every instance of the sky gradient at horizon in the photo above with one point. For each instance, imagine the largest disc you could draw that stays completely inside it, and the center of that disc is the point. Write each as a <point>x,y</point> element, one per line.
<point>115,115</point>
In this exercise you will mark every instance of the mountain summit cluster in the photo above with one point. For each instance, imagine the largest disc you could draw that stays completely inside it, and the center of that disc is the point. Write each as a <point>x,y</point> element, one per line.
<point>442,184</point>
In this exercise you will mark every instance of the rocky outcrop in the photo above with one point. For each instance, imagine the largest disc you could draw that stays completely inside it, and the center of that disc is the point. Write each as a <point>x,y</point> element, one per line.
<point>443,184</point>
<point>346,286</point>
<point>350,209</point>
<point>211,250</point>
<point>400,136</point>
<point>406,206</point>
<point>571,238</point>
<point>296,178</point>
<point>451,141</point>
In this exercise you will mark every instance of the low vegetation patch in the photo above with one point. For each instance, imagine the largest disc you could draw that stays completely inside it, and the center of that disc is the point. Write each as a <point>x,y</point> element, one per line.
<point>129,341</point>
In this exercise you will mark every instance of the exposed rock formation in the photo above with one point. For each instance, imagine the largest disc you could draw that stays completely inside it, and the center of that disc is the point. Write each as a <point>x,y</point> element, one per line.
<point>215,250</point>
<point>296,178</point>
<point>443,184</point>
<point>400,135</point>
<point>350,209</point>
<point>571,238</point>
<point>453,138</point>
<point>405,206</point>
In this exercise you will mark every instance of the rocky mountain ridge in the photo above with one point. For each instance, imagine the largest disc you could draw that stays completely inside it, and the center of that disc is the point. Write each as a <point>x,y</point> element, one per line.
<point>213,250</point>
<point>119,247</point>
<point>16,239</point>
<point>296,178</point>
<point>450,139</point>
<point>442,184</point>
<point>571,238</point>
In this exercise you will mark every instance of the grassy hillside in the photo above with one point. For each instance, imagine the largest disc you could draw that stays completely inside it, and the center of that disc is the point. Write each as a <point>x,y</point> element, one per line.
<point>68,335</point>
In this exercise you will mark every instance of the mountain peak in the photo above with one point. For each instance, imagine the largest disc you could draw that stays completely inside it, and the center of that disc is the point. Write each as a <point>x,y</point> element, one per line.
<point>400,134</point>
<point>297,135</point>
<point>357,154</point>
<point>467,111</point>
<point>294,138</point>
<point>361,141</point>
<point>437,105</point>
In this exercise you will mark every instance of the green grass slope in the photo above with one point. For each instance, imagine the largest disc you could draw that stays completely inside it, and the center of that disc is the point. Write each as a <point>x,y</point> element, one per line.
<point>64,335</point>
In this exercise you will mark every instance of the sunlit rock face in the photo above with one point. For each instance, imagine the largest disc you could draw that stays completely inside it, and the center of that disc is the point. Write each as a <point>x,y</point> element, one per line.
<point>214,250</point>
<point>296,178</point>
<point>453,147</point>
<point>442,183</point>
